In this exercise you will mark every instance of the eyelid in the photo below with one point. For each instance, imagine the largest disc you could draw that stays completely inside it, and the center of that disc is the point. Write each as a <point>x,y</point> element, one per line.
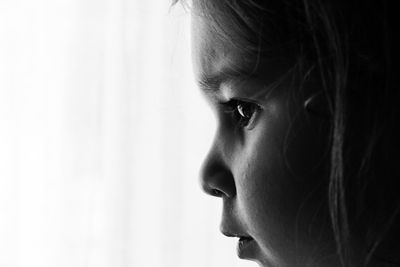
<point>241,99</point>
<point>233,101</point>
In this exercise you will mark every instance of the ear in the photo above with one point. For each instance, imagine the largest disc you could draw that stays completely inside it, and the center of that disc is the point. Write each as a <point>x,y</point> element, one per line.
<point>317,104</point>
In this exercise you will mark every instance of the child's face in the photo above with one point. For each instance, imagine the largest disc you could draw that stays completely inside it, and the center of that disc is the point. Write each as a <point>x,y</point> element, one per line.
<point>268,158</point>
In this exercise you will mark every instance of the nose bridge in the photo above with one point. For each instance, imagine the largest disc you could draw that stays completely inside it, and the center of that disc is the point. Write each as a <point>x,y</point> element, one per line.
<point>216,177</point>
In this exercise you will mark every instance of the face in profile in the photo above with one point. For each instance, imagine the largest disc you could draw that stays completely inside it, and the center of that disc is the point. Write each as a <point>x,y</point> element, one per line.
<point>268,159</point>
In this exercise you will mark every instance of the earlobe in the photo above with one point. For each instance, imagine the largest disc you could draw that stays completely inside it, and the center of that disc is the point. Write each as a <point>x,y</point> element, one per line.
<point>317,104</point>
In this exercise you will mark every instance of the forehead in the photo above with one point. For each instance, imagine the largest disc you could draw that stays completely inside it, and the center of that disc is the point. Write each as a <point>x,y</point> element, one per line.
<point>216,57</point>
<point>210,52</point>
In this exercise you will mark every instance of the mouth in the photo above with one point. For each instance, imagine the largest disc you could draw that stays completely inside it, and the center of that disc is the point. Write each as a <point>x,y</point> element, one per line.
<point>246,246</point>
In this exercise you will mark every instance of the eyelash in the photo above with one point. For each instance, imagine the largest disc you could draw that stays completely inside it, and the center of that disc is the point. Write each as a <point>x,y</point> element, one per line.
<point>242,112</point>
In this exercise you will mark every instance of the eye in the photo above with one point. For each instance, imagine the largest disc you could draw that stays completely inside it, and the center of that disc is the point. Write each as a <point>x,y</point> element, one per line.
<point>242,112</point>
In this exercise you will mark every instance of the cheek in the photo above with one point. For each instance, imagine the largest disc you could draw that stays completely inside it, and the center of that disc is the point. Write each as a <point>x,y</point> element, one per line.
<point>274,184</point>
<point>264,190</point>
<point>265,195</point>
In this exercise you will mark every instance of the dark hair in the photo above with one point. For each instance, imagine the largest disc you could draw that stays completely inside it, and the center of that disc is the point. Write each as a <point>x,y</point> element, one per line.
<point>348,47</point>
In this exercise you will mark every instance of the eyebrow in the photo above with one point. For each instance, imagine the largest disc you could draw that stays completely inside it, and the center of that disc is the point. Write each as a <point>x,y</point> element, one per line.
<point>211,82</point>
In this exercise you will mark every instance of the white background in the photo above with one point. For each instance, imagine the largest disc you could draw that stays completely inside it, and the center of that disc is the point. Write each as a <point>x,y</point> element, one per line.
<point>102,133</point>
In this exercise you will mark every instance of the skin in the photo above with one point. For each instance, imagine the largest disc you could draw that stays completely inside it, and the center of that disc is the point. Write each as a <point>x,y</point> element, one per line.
<point>271,173</point>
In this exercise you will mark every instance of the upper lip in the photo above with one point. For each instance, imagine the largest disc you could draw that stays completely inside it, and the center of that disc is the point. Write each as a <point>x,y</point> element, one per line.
<point>233,234</point>
<point>230,225</point>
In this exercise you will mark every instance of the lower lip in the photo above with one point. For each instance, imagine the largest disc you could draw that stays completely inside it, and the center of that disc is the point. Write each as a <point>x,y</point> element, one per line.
<point>246,248</point>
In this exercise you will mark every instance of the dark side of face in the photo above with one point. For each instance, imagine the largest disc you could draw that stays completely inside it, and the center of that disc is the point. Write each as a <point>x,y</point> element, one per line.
<point>268,161</point>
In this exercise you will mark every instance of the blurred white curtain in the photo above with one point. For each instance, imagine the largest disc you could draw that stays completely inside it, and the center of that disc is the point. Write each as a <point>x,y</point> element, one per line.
<point>102,133</point>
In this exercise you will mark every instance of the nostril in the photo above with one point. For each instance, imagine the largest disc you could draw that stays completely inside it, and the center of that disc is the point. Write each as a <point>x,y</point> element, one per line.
<point>216,178</point>
<point>216,193</point>
<point>218,184</point>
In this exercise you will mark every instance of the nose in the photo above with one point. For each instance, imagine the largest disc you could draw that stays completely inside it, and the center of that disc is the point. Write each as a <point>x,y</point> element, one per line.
<point>216,178</point>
